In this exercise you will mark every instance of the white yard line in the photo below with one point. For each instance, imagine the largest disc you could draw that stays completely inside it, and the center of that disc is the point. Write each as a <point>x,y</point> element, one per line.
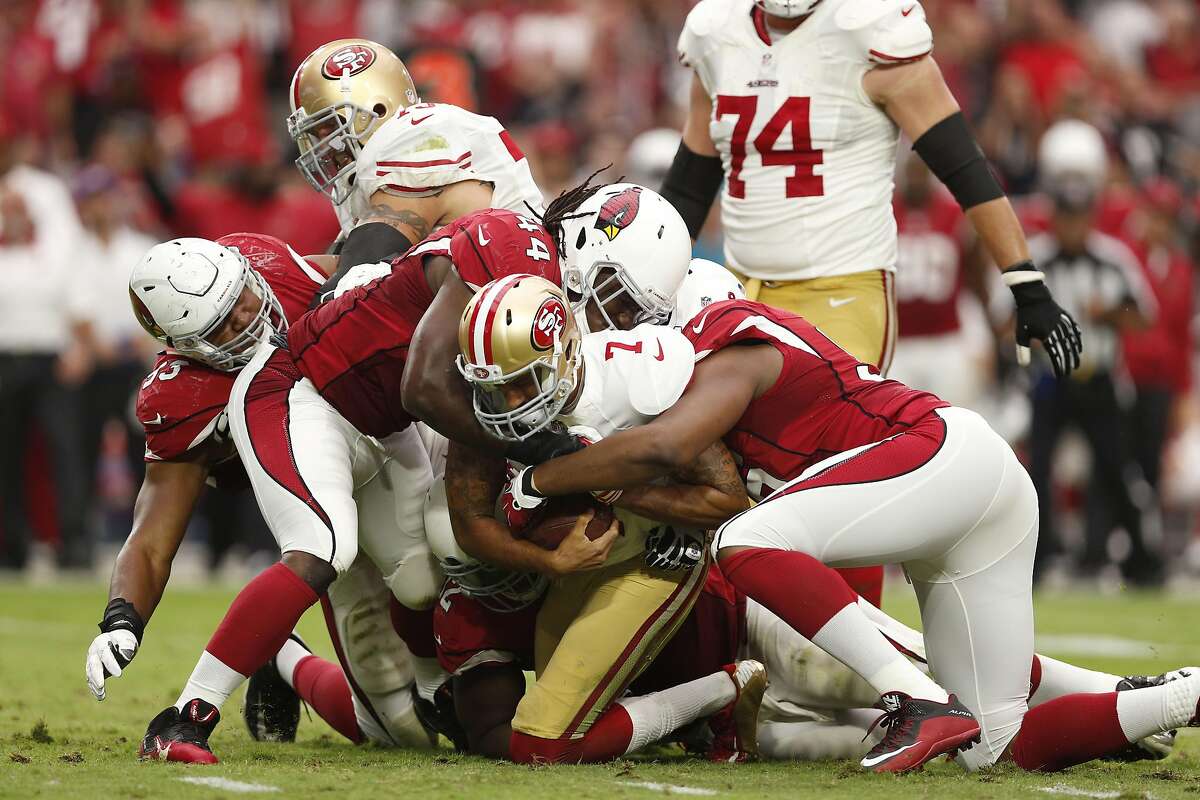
<point>231,785</point>
<point>667,788</point>
<point>1110,646</point>
<point>1071,791</point>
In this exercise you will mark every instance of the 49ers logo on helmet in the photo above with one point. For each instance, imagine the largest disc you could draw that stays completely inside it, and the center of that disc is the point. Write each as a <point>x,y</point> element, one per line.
<point>547,323</point>
<point>349,60</point>
<point>618,211</point>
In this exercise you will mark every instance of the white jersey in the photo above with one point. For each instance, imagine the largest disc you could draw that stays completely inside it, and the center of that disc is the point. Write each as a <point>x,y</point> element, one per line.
<point>430,145</point>
<point>629,378</point>
<point>808,157</point>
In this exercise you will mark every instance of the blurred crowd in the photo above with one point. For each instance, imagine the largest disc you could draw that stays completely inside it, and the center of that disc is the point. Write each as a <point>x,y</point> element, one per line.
<point>125,122</point>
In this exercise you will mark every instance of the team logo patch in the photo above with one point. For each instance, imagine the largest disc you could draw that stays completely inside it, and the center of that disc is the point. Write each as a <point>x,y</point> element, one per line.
<point>349,60</point>
<point>481,373</point>
<point>548,323</point>
<point>618,211</point>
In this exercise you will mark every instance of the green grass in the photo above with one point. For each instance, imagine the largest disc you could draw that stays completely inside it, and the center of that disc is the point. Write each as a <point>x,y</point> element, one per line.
<point>56,741</point>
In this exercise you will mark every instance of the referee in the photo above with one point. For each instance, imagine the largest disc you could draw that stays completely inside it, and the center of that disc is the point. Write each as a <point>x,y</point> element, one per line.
<point>1097,280</point>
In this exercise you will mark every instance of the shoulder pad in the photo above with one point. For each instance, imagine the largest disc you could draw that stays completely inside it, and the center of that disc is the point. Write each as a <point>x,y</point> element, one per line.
<point>420,149</point>
<point>647,368</point>
<point>887,32</point>
<point>707,19</point>
<point>181,404</point>
<point>496,242</point>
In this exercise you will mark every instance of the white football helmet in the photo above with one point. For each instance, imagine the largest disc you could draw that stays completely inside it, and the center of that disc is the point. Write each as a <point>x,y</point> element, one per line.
<point>183,290</point>
<point>639,237</point>
<point>498,589</point>
<point>1072,148</point>
<point>706,282</point>
<point>788,9</point>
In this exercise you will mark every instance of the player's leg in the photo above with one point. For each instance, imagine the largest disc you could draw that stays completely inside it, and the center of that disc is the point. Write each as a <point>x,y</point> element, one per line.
<point>297,452</point>
<point>623,615</point>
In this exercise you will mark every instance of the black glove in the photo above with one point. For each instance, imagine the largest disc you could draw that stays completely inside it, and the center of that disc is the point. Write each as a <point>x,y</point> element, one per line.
<point>1039,317</point>
<point>669,549</point>
<point>543,446</point>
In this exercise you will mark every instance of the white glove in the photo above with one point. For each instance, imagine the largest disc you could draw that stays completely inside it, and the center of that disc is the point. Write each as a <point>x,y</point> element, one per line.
<point>109,654</point>
<point>361,275</point>
<point>520,489</point>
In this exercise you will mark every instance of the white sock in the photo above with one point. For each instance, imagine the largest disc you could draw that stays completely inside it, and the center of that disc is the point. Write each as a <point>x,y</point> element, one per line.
<point>288,658</point>
<point>854,640</point>
<point>1145,712</point>
<point>211,681</point>
<point>429,676</point>
<point>1060,678</point>
<point>811,740</point>
<point>657,714</point>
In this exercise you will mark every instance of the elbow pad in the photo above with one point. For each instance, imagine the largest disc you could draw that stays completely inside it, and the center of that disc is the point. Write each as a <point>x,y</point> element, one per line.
<point>691,185</point>
<point>366,244</point>
<point>952,153</point>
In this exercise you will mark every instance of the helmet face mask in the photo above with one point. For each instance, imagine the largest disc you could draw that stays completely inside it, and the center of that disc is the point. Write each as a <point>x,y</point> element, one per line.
<point>604,284</point>
<point>162,272</point>
<point>520,353</point>
<point>494,588</point>
<point>330,143</point>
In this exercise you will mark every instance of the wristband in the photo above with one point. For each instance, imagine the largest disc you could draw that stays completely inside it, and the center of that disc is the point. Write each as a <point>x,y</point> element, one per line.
<point>120,614</point>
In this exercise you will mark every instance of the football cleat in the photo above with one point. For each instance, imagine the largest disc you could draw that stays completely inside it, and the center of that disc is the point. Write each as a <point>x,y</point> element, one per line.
<point>182,736</point>
<point>919,731</point>
<point>439,717</point>
<point>1160,745</point>
<point>735,727</point>
<point>272,707</point>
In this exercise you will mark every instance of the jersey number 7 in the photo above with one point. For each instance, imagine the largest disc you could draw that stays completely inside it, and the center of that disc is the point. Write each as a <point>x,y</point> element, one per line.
<point>803,182</point>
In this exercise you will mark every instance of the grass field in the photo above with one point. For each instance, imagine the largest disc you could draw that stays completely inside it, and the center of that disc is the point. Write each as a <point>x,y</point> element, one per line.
<point>57,741</point>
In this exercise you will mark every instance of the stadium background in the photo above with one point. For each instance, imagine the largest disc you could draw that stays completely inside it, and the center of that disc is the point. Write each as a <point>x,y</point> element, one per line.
<point>157,118</point>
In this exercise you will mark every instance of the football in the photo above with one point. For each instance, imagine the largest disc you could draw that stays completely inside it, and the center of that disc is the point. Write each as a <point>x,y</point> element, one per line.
<point>553,524</point>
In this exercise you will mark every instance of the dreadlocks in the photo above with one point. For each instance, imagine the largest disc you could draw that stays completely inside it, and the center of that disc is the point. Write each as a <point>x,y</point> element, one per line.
<point>562,208</point>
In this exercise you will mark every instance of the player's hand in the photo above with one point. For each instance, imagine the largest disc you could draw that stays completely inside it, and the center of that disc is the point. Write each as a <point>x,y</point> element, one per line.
<point>520,492</point>
<point>672,550</point>
<point>543,446</point>
<point>108,656</point>
<point>1039,317</point>
<point>576,552</point>
<point>517,519</point>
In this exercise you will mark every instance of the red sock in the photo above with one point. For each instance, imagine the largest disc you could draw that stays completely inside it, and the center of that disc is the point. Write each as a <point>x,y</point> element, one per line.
<point>1069,730</point>
<point>323,685</point>
<point>526,749</point>
<point>609,736</point>
<point>866,581</point>
<point>772,577</point>
<point>415,628</point>
<point>1035,675</point>
<point>260,619</point>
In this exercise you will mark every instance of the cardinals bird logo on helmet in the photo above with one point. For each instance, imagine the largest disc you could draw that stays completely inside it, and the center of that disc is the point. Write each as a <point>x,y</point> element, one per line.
<point>618,212</point>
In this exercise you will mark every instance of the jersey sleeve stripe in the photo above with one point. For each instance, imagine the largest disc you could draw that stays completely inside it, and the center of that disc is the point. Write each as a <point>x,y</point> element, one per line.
<point>513,150</point>
<point>305,267</point>
<point>437,162</point>
<point>899,59</point>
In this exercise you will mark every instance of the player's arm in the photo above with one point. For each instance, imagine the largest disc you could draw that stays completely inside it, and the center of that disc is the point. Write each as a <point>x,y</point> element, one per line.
<point>703,494</point>
<point>474,481</point>
<point>722,387</point>
<point>432,389</point>
<point>917,99</point>
<point>160,516</point>
<point>395,222</point>
<point>485,702</point>
<point>695,176</point>
<point>324,262</point>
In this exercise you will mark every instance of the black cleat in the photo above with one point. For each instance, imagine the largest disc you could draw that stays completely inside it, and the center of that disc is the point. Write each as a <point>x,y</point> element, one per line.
<point>272,707</point>
<point>182,736</point>
<point>439,716</point>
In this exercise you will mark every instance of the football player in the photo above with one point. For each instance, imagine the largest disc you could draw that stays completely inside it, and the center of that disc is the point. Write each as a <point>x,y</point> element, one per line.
<point>210,303</point>
<point>797,105</point>
<point>860,462</point>
<point>395,169</point>
<point>597,629</point>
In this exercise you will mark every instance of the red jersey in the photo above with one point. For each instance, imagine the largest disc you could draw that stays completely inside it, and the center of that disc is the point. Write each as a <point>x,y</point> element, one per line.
<point>823,403</point>
<point>354,347</point>
<point>929,267</point>
<point>468,633</point>
<point>181,403</point>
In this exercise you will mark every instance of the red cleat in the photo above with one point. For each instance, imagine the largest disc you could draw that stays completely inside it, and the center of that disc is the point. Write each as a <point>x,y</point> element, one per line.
<point>181,736</point>
<point>919,731</point>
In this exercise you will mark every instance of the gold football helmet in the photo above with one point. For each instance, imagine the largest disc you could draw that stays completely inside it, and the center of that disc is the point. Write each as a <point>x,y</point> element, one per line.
<point>520,351</point>
<point>340,95</point>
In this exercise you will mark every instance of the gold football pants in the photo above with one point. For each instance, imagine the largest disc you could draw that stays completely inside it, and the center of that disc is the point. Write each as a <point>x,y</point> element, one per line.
<point>596,631</point>
<point>856,311</point>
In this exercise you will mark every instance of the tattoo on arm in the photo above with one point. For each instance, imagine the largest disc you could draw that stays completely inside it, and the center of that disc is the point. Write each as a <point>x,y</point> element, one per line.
<point>397,217</point>
<point>716,468</point>
<point>473,482</point>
